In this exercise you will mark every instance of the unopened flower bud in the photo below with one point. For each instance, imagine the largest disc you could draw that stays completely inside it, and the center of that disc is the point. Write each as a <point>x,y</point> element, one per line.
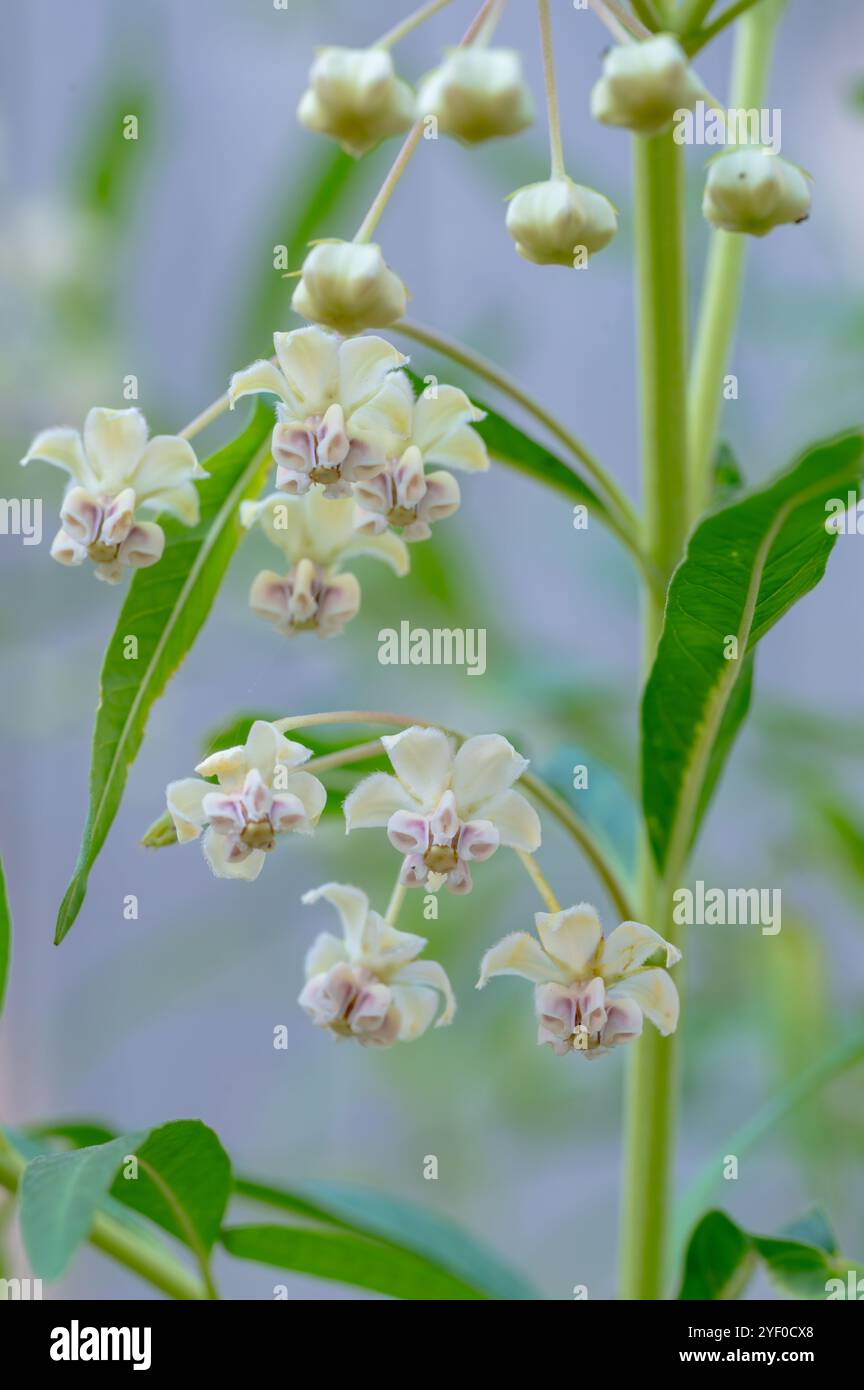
<point>753,190</point>
<point>552,223</point>
<point>348,286</point>
<point>477,94</point>
<point>644,84</point>
<point>355,96</point>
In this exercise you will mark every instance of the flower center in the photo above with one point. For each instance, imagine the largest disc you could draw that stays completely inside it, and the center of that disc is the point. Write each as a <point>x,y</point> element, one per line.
<point>258,834</point>
<point>322,474</point>
<point>401,516</point>
<point>441,859</point>
<point>101,553</point>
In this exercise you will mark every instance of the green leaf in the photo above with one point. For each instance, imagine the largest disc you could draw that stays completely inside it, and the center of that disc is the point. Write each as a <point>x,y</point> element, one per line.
<point>403,1224</point>
<point>813,1228</point>
<point>5,936</point>
<point>165,609</point>
<point>721,1258</point>
<point>78,1134</point>
<point>60,1195</point>
<point>745,566</point>
<point>183,1183</point>
<point>347,1259</point>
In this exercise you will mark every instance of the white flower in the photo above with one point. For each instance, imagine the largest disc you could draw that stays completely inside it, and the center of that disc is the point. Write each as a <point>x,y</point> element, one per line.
<point>369,985</point>
<point>476,94</point>
<point>442,810</point>
<point>113,471</point>
<point>551,221</point>
<point>259,796</point>
<point>644,84</point>
<point>591,995</point>
<point>348,286</point>
<point>404,495</point>
<point>316,537</point>
<point>345,408</point>
<point>355,96</point>
<point>753,190</point>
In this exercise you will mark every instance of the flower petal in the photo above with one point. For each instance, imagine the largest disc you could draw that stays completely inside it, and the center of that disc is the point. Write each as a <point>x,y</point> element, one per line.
<point>185,800</point>
<point>351,903</point>
<point>386,547</point>
<point>571,937</point>
<point>262,747</point>
<point>417,1008</point>
<point>261,376</point>
<point>216,852</point>
<point>166,463</point>
<point>422,760</point>
<point>438,418</point>
<point>143,546</point>
<point>364,363</point>
<point>384,421</point>
<point>630,946</point>
<point>309,358</point>
<point>326,951</point>
<point>463,449</point>
<point>182,502</point>
<point>655,993</point>
<point>114,441</point>
<point>485,766</point>
<point>515,819</point>
<point>63,448</point>
<point>374,800</point>
<point>228,764</point>
<point>428,973</point>
<point>311,795</point>
<point>66,550</point>
<point>519,954</point>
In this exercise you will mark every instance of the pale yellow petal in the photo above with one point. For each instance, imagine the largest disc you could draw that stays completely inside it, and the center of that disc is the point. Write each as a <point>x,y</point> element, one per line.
<point>571,937</point>
<point>519,954</point>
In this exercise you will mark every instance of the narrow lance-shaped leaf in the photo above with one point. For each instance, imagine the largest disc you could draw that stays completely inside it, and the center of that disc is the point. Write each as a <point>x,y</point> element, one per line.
<point>745,566</point>
<point>183,1182</point>
<point>803,1261</point>
<point>164,611</point>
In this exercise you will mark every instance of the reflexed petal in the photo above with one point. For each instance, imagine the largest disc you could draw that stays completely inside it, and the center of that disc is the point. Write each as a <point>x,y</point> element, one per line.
<point>422,760</point>
<point>374,800</point>
<point>408,832</point>
<point>287,813</point>
<point>309,359</point>
<point>433,975</point>
<point>166,463</point>
<point>262,747</point>
<point>114,441</point>
<point>623,1022</point>
<point>62,447</point>
<point>385,420</point>
<point>519,954</point>
<point>364,363</point>
<point>66,550</point>
<point>655,993</point>
<point>571,937</point>
<point>351,903</point>
<point>118,519</point>
<point>462,449</point>
<point>217,852</point>
<point>311,795</point>
<point>384,948</point>
<point>442,497</point>
<point>339,603</point>
<point>228,764</point>
<point>182,502</point>
<point>143,546</point>
<point>387,546</point>
<point>478,839</point>
<point>630,946</point>
<point>417,1008</point>
<point>261,376</point>
<point>437,417</point>
<point>326,951</point>
<point>484,766</point>
<point>185,800</point>
<point>515,819</point>
<point>555,1007</point>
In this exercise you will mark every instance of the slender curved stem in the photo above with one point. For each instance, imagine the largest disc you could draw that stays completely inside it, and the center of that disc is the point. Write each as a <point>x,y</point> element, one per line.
<point>540,790</point>
<point>648,15</point>
<point>704,36</point>
<point>482,367</point>
<point>721,293</point>
<point>397,898</point>
<point>556,151</point>
<point>692,14</point>
<point>622,25</point>
<point>219,406</point>
<point>158,1267</point>
<point>409,24</point>
<point>539,879</point>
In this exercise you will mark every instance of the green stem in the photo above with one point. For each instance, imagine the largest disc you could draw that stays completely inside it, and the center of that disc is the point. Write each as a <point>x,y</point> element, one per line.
<point>651,1099</point>
<point>698,40</point>
<point>154,1265</point>
<point>721,293</point>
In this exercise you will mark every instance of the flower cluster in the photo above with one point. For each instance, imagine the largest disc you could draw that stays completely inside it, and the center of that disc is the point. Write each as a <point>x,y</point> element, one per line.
<point>351,446</point>
<point>113,471</point>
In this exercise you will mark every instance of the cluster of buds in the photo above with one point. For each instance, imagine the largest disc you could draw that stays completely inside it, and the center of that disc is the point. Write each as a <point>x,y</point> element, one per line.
<point>351,445</point>
<point>355,96</point>
<point>113,471</point>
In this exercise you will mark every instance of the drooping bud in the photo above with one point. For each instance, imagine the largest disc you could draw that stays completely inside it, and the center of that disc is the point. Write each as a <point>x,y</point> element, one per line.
<point>753,190</point>
<point>644,84</point>
<point>558,222</point>
<point>348,286</point>
<point>355,96</point>
<point>477,94</point>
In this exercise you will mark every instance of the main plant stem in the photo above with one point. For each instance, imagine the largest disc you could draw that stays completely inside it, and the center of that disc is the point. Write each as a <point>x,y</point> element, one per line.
<point>662,319</point>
